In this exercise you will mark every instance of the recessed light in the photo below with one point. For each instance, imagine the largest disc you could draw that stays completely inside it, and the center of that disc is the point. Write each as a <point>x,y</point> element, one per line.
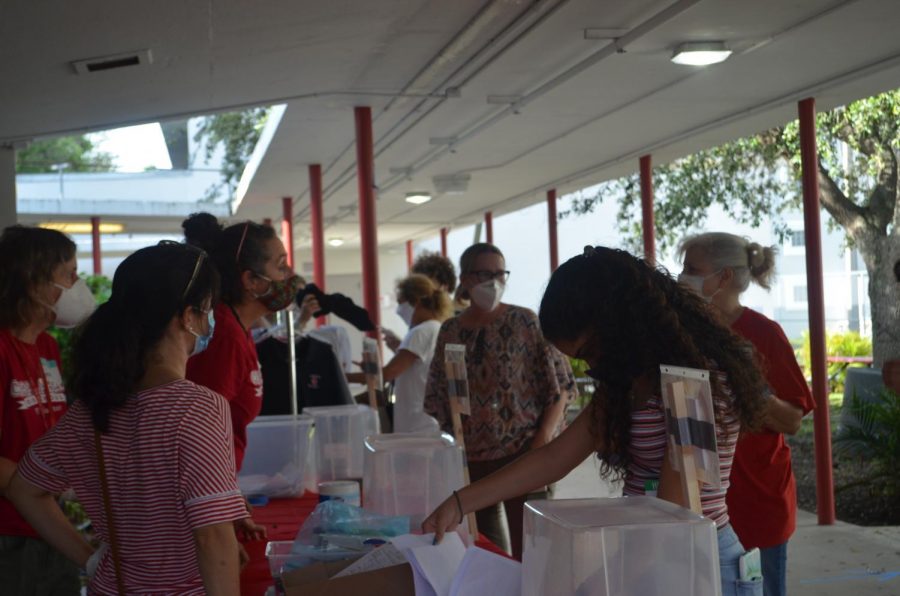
<point>82,227</point>
<point>701,53</point>
<point>418,197</point>
<point>335,241</point>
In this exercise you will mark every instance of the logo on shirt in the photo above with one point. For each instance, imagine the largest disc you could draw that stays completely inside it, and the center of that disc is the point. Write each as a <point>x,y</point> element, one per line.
<point>257,380</point>
<point>22,390</point>
<point>314,381</point>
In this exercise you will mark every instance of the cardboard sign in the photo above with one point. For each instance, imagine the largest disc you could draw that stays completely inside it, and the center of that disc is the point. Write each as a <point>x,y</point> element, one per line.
<point>319,579</point>
<point>460,405</point>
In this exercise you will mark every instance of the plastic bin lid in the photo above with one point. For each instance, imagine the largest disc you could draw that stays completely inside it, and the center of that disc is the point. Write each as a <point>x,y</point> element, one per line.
<point>405,441</point>
<point>584,514</point>
<point>346,410</point>
<point>301,419</point>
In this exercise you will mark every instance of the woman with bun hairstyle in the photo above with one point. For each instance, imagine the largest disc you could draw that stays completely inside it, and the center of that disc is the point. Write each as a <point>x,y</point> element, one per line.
<point>423,306</point>
<point>762,500</point>
<point>256,281</point>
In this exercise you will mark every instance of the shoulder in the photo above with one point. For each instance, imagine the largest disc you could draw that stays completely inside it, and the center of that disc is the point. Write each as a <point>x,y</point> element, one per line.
<point>521,315</point>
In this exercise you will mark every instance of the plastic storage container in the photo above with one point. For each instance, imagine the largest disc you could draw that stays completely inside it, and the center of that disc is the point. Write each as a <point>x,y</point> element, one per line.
<point>339,435</point>
<point>632,546</point>
<point>411,474</point>
<point>276,456</point>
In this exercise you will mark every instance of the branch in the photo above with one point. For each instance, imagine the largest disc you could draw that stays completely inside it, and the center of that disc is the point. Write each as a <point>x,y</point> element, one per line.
<point>883,202</point>
<point>845,212</point>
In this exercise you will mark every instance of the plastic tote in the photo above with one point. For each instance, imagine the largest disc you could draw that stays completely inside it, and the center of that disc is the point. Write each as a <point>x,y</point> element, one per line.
<point>276,457</point>
<point>339,435</point>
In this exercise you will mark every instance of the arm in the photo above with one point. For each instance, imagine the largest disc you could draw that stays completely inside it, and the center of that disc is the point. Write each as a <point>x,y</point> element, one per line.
<point>782,417</point>
<point>533,470</point>
<point>39,509</point>
<point>7,470</point>
<point>550,420</point>
<point>217,553</point>
<point>396,367</point>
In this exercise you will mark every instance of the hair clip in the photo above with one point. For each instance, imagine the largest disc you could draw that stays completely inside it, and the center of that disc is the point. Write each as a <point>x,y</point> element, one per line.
<point>589,251</point>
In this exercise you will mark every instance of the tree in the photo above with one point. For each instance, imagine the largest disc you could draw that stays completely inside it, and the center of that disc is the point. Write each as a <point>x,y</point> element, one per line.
<point>237,133</point>
<point>756,179</point>
<point>79,152</point>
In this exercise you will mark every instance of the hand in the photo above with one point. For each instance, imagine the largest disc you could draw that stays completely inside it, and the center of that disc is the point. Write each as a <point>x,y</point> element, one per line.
<point>249,530</point>
<point>390,339</point>
<point>309,306</point>
<point>243,557</point>
<point>445,518</point>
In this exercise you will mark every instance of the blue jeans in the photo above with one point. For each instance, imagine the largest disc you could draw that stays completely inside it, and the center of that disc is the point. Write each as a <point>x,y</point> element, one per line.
<point>730,551</point>
<point>774,568</point>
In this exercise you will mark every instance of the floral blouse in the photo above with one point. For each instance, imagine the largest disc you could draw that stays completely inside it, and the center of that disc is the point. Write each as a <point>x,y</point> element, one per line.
<point>514,376</point>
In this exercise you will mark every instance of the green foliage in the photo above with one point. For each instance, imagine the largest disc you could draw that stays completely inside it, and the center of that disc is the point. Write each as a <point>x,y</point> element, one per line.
<point>80,152</point>
<point>847,344</point>
<point>579,367</point>
<point>875,439</point>
<point>237,133</point>
<point>101,288</point>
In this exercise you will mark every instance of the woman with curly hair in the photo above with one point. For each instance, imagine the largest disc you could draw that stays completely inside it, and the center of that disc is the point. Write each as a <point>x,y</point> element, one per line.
<point>625,319</point>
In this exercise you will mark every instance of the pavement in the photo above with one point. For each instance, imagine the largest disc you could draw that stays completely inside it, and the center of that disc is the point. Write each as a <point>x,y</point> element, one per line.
<point>841,559</point>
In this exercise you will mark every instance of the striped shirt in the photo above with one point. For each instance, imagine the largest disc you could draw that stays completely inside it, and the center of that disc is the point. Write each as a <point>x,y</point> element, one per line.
<point>169,460</point>
<point>648,446</point>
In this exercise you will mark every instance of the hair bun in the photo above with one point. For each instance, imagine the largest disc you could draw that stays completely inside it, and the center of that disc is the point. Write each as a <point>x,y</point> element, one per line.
<point>755,255</point>
<point>202,230</point>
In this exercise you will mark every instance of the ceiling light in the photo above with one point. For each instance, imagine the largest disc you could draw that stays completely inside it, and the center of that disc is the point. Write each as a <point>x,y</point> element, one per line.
<point>418,197</point>
<point>701,53</point>
<point>336,241</point>
<point>82,227</point>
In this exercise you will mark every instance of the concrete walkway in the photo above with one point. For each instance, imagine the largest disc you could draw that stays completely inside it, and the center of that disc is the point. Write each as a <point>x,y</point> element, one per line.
<point>842,559</point>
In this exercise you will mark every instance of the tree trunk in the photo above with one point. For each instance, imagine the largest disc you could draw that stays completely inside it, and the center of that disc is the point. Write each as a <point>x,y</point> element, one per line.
<point>880,254</point>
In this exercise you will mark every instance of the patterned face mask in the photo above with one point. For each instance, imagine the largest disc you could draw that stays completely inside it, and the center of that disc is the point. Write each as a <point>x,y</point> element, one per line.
<point>280,294</point>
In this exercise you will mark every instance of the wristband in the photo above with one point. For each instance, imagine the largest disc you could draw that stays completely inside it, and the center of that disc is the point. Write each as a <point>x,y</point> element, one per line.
<point>459,505</point>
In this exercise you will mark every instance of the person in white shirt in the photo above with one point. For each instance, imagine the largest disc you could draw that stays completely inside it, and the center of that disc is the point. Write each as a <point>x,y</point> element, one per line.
<point>424,307</point>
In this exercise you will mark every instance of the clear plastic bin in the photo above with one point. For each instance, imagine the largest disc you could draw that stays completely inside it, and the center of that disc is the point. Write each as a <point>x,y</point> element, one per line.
<point>632,546</point>
<point>279,555</point>
<point>339,435</point>
<point>276,456</point>
<point>411,474</point>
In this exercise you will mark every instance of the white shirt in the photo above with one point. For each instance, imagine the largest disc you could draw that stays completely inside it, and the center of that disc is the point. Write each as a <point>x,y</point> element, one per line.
<point>409,414</point>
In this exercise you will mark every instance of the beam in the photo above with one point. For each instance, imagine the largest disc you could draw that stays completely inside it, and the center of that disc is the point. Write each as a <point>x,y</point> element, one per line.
<point>95,246</point>
<point>365,174</point>
<point>489,226</point>
<point>317,230</point>
<point>409,255</point>
<point>444,232</point>
<point>287,228</point>
<point>816,300</point>
<point>647,220</point>
<point>551,227</point>
<point>8,215</point>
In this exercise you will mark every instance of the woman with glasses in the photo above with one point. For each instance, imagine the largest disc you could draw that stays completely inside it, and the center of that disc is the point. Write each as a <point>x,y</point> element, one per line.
<point>519,384</point>
<point>39,287</point>
<point>149,454</point>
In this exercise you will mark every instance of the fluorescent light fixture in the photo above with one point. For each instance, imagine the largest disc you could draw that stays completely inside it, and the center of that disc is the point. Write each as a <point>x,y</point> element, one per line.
<point>418,197</point>
<point>82,227</point>
<point>336,241</point>
<point>701,53</point>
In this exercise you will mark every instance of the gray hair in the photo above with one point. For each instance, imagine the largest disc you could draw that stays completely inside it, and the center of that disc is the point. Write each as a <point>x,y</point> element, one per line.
<point>748,260</point>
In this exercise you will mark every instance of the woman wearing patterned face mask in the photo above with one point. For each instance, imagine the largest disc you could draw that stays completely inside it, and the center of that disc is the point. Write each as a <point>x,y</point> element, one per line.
<point>39,287</point>
<point>520,384</point>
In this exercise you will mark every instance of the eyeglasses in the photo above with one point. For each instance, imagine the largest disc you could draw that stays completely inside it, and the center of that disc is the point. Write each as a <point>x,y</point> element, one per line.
<point>201,256</point>
<point>484,275</point>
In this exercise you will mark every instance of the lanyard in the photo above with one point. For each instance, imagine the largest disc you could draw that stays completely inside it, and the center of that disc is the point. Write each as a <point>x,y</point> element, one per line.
<point>44,404</point>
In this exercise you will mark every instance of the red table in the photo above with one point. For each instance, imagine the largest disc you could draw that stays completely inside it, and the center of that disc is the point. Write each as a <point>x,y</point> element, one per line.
<point>282,519</point>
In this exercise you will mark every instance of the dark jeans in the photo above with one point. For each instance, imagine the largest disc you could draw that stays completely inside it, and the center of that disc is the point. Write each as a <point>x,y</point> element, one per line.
<point>774,568</point>
<point>502,523</point>
<point>31,567</point>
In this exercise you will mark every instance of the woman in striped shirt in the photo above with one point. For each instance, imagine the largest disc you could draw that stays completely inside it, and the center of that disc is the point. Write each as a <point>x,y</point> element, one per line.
<point>626,318</point>
<point>149,454</point>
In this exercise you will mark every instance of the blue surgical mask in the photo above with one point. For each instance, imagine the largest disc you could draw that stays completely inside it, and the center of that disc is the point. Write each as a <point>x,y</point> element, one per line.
<point>201,342</point>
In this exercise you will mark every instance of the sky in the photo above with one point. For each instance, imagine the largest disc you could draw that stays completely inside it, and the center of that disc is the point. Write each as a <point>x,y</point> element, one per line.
<point>135,148</point>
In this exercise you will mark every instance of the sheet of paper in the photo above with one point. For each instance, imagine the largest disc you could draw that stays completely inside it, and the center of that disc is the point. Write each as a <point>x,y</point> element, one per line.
<point>405,544</point>
<point>439,563</point>
<point>483,573</point>
<point>383,556</point>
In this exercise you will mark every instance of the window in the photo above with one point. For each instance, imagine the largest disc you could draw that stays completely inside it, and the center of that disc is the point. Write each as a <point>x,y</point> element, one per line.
<point>799,294</point>
<point>797,238</point>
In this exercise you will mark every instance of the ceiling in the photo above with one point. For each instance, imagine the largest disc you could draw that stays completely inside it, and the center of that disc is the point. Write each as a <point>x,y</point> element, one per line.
<point>583,110</point>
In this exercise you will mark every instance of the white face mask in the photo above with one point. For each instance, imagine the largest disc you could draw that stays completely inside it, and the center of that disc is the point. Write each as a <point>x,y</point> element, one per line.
<point>487,295</point>
<point>695,284</point>
<point>405,311</point>
<point>75,304</point>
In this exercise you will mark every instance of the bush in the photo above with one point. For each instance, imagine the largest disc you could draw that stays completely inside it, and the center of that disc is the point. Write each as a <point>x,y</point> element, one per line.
<point>874,437</point>
<point>846,344</point>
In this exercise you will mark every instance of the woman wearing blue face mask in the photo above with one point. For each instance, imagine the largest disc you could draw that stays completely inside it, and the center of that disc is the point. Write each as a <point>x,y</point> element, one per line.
<point>148,453</point>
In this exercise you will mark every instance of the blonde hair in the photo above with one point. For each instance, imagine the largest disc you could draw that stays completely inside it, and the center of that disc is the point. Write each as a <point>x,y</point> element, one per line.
<point>421,290</point>
<point>747,259</point>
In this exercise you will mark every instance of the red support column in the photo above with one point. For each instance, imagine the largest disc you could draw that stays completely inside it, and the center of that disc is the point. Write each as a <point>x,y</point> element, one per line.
<point>409,255</point>
<point>816,299</point>
<point>551,226</point>
<point>287,228</point>
<point>95,245</point>
<point>647,222</point>
<point>317,231</point>
<point>444,241</point>
<point>489,227</point>
<point>365,173</point>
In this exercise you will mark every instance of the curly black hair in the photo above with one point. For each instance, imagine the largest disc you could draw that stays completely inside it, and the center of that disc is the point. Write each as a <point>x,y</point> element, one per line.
<point>635,318</point>
<point>438,268</point>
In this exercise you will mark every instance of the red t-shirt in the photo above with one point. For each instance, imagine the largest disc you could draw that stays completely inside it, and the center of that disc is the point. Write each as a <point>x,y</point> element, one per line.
<point>26,412</point>
<point>169,469</point>
<point>762,500</point>
<point>230,367</point>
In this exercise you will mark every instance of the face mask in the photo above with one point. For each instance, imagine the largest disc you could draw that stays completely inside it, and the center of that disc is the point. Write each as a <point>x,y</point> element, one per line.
<point>280,294</point>
<point>75,304</point>
<point>201,342</point>
<point>405,311</point>
<point>695,284</point>
<point>487,295</point>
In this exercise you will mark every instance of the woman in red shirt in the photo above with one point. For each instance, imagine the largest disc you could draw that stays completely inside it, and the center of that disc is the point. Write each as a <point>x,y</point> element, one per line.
<point>762,500</point>
<point>39,286</point>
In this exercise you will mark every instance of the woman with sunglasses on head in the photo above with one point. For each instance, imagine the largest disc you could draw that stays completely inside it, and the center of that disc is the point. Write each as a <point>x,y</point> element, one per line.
<point>625,319</point>
<point>519,385</point>
<point>39,287</point>
<point>149,454</point>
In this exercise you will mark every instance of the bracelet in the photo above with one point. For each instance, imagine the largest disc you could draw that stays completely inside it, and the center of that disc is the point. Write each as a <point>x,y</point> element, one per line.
<point>459,505</point>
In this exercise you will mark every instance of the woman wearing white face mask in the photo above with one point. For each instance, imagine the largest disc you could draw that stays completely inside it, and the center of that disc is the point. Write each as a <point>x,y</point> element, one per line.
<point>39,287</point>
<point>519,384</point>
<point>423,307</point>
<point>762,499</point>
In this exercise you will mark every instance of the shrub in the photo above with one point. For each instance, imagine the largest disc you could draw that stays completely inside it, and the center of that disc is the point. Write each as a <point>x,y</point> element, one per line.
<point>846,344</point>
<point>874,437</point>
